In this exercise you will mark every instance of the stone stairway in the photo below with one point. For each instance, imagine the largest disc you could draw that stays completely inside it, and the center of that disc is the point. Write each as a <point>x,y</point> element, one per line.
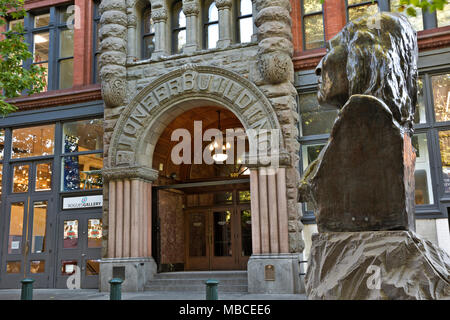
<point>194,281</point>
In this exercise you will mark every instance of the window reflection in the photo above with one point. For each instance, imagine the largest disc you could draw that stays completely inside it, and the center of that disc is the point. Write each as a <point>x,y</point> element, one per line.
<point>222,234</point>
<point>92,267</point>
<point>16,228</point>
<point>245,21</point>
<point>42,20</point>
<point>420,115</point>
<point>212,26</point>
<point>422,174</point>
<point>441,96</point>
<point>309,154</point>
<point>246,232</point>
<point>13,266</point>
<point>33,141</point>
<point>20,178</point>
<point>148,34</point>
<point>84,135</point>
<point>417,21</point>
<point>315,118</point>
<point>2,143</point>
<point>44,177</point>
<point>444,143</point>
<point>82,172</point>
<point>70,234</point>
<point>37,266</point>
<point>39,227</point>
<point>362,11</point>
<point>179,28</point>
<point>95,233</point>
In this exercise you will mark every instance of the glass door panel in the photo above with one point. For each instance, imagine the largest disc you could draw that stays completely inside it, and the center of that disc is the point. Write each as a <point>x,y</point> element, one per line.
<point>16,228</point>
<point>222,234</point>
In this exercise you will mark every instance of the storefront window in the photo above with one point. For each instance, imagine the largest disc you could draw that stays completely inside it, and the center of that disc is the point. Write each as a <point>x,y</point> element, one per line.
<point>95,233</point>
<point>43,177</point>
<point>33,141</point>
<point>82,172</point>
<point>39,226</point>
<point>441,96</point>
<point>84,135</point>
<point>420,115</point>
<point>315,119</point>
<point>20,178</point>
<point>70,234</point>
<point>444,144</point>
<point>422,174</point>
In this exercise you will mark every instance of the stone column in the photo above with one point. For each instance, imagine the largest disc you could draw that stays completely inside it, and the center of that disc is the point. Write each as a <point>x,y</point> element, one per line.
<point>132,54</point>
<point>255,29</point>
<point>225,23</point>
<point>159,16</point>
<point>113,48</point>
<point>280,227</point>
<point>129,228</point>
<point>191,9</point>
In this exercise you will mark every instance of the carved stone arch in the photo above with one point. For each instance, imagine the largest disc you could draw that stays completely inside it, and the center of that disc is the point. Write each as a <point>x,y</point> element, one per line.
<point>150,111</point>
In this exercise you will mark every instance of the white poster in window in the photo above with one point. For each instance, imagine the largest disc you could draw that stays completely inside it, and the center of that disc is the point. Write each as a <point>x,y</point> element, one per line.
<point>82,202</point>
<point>15,245</point>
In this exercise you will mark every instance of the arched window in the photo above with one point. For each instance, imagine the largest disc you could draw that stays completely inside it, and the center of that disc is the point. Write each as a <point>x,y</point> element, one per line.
<point>244,21</point>
<point>211,25</point>
<point>148,34</point>
<point>178,28</point>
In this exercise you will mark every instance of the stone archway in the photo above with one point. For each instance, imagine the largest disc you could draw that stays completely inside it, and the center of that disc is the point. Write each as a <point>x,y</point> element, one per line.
<point>129,174</point>
<point>146,116</point>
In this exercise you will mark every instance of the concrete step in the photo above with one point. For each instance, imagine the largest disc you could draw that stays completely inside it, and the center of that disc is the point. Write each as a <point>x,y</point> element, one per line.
<point>193,281</point>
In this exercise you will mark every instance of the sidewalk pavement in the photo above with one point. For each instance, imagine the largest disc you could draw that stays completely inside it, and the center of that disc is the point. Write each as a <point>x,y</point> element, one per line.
<point>94,294</point>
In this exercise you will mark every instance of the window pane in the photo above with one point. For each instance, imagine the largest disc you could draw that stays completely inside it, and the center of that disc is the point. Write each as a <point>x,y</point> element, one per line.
<point>197,235</point>
<point>65,74</point>
<point>20,178</point>
<point>443,16</point>
<point>149,46</point>
<point>82,172</point>
<point>41,20</point>
<point>246,232</point>
<point>149,27</point>
<point>2,143</point>
<point>43,177</point>
<point>244,196</point>
<point>33,141</point>
<point>213,35</point>
<point>1,178</point>
<point>245,29</point>
<point>351,2</point>
<point>246,7</point>
<point>181,41</point>
<point>315,118</point>
<point>70,234</point>
<point>13,266</point>
<point>40,46</point>
<point>83,135</point>
<point>310,6</point>
<point>92,267</point>
<point>362,11</point>
<point>95,233</point>
<point>45,65</point>
<point>441,96</point>
<point>68,267</point>
<point>420,115</point>
<point>13,23</point>
<point>309,154</point>
<point>66,43</point>
<point>314,35</point>
<point>213,13</point>
<point>181,20</point>
<point>223,198</point>
<point>417,21</point>
<point>444,143</point>
<point>37,266</point>
<point>16,228</point>
<point>222,234</point>
<point>424,188</point>
<point>39,227</point>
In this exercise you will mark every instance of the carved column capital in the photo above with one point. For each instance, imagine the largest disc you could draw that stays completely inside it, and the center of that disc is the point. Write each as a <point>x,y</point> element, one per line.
<point>130,172</point>
<point>159,14</point>
<point>191,7</point>
<point>224,4</point>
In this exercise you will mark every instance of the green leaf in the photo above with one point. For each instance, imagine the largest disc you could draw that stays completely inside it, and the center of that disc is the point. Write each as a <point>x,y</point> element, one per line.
<point>411,11</point>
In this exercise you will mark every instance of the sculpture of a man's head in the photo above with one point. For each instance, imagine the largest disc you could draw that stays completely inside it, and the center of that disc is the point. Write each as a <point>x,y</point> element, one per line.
<point>374,56</point>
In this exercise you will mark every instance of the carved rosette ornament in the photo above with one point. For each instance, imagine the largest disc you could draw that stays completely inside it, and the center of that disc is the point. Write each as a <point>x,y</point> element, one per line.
<point>275,40</point>
<point>113,52</point>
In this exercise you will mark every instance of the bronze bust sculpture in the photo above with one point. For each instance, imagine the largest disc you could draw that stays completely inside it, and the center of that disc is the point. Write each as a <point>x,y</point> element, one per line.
<point>364,177</point>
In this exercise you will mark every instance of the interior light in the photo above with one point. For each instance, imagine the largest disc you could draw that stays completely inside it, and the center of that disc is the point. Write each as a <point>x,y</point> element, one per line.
<point>40,39</point>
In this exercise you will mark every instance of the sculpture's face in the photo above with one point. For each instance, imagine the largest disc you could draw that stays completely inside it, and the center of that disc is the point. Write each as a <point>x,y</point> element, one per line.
<point>333,82</point>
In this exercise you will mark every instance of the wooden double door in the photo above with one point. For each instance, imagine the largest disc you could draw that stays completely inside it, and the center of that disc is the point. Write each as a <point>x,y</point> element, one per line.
<point>218,238</point>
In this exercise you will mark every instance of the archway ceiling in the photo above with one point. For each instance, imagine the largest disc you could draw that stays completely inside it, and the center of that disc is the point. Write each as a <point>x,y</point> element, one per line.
<point>209,118</point>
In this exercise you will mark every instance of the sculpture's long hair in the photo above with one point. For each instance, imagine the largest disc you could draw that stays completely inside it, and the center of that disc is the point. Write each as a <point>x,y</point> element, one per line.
<point>382,61</point>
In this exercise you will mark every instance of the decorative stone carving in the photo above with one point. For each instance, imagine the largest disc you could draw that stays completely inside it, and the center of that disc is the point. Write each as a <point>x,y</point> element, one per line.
<point>113,50</point>
<point>159,14</point>
<point>224,4</point>
<point>130,172</point>
<point>191,7</point>
<point>376,265</point>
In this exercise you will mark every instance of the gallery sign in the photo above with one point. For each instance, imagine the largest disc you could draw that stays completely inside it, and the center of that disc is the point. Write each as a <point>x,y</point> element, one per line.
<point>82,202</point>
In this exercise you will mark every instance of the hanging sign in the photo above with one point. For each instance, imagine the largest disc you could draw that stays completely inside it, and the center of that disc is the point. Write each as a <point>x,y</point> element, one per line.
<point>82,202</point>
